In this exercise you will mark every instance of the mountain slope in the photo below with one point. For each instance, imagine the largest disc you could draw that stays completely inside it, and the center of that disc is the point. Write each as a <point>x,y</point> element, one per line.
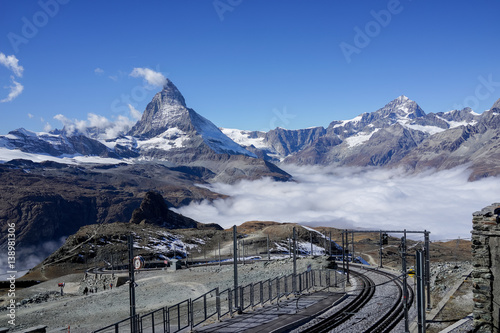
<point>476,145</point>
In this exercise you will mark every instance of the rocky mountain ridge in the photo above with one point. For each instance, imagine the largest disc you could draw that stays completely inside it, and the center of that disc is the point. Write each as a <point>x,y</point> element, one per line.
<point>400,134</point>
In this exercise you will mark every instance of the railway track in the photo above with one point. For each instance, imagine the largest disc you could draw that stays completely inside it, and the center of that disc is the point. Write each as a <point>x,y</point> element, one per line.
<point>377,320</point>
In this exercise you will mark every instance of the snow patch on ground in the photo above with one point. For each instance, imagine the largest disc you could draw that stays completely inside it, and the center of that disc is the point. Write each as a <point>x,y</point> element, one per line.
<point>344,122</point>
<point>359,138</point>
<point>171,138</point>
<point>12,154</point>
<point>426,129</point>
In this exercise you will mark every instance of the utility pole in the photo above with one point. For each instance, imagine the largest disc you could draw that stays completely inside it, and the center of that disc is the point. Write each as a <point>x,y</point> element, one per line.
<point>268,254</point>
<point>347,252</point>
<point>131,287</point>
<point>405,286</point>
<point>420,291</point>
<point>381,249</point>
<point>243,250</point>
<point>427,269</point>
<point>352,244</point>
<point>324,240</point>
<point>289,247</point>
<point>294,260</point>
<point>343,252</point>
<point>235,266</point>
<point>330,247</point>
<point>311,240</point>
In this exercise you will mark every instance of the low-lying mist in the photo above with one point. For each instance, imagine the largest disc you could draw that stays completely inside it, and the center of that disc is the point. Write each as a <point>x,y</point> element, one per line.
<point>441,202</point>
<point>28,257</point>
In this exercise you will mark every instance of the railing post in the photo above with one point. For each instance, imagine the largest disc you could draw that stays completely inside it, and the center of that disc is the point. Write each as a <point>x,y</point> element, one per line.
<point>205,307</point>
<point>230,300</point>
<point>277,290</point>
<point>242,303</point>
<point>270,290</point>
<point>190,316</point>
<point>166,319</point>
<point>217,303</point>
<point>261,289</point>
<point>251,295</point>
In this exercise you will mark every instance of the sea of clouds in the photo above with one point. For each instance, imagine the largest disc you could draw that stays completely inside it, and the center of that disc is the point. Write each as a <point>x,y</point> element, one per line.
<point>369,198</point>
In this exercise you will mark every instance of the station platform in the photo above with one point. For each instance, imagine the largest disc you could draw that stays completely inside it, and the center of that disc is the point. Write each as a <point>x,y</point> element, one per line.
<point>276,318</point>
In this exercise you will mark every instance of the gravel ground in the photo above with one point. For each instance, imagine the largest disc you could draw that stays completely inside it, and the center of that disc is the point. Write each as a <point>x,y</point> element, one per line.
<point>155,289</point>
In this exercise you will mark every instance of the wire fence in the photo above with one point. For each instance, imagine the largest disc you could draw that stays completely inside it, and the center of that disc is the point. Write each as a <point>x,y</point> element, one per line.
<point>216,304</point>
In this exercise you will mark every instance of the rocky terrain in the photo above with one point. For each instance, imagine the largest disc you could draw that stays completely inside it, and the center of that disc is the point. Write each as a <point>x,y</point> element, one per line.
<point>49,201</point>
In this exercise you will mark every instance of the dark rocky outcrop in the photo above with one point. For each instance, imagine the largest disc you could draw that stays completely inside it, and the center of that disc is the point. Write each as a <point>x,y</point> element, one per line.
<point>155,210</point>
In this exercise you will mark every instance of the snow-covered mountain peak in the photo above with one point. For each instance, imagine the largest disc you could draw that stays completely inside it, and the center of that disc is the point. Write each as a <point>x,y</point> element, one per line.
<point>167,114</point>
<point>402,107</point>
<point>403,99</point>
<point>166,109</point>
<point>171,95</point>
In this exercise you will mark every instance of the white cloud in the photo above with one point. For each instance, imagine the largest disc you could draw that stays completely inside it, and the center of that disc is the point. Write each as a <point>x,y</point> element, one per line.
<point>134,113</point>
<point>67,123</point>
<point>15,90</point>
<point>98,70</point>
<point>119,126</point>
<point>442,202</point>
<point>12,63</point>
<point>30,116</point>
<point>113,77</point>
<point>97,121</point>
<point>47,127</point>
<point>99,127</point>
<point>152,77</point>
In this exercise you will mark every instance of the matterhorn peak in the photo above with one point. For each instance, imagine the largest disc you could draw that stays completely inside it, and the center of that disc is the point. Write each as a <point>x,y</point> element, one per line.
<point>170,94</point>
<point>166,109</point>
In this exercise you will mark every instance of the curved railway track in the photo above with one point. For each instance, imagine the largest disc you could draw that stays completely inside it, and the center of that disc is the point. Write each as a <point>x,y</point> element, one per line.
<point>396,312</point>
<point>366,287</point>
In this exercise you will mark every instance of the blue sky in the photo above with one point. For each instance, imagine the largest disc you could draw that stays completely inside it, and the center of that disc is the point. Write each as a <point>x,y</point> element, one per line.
<point>245,64</point>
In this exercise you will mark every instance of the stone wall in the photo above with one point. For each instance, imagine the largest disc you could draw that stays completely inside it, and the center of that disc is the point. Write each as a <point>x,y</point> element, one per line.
<point>486,262</point>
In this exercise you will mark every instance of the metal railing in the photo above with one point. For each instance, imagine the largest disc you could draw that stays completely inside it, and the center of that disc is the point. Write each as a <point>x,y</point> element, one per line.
<point>181,313</point>
<point>120,326</point>
<point>204,307</point>
<point>214,304</point>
